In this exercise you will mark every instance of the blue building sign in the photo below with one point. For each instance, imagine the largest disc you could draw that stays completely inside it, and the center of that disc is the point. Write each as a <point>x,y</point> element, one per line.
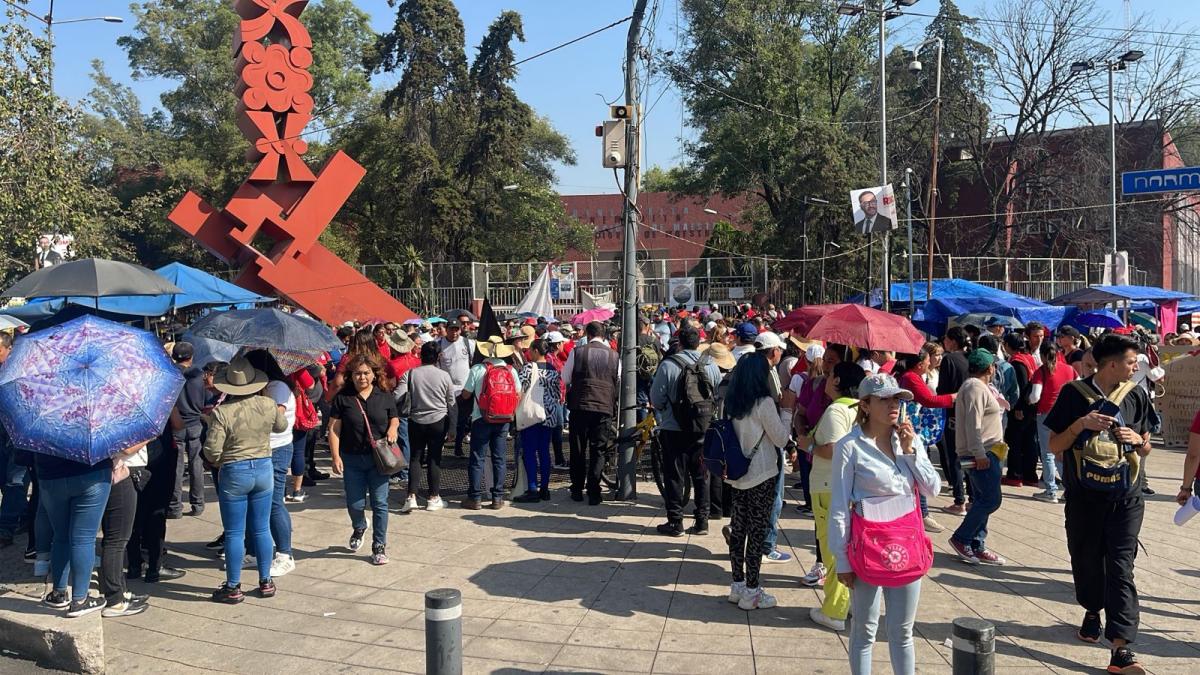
<point>1159,181</point>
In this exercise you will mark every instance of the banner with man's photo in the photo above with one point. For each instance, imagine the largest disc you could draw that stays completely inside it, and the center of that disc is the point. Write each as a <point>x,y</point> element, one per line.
<point>54,248</point>
<point>873,209</point>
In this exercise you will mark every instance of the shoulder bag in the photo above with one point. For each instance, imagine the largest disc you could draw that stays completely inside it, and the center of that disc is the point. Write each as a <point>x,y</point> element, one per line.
<point>388,457</point>
<point>532,409</point>
<point>893,553</point>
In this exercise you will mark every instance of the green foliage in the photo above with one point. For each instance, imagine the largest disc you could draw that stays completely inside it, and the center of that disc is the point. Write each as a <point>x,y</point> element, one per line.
<point>658,179</point>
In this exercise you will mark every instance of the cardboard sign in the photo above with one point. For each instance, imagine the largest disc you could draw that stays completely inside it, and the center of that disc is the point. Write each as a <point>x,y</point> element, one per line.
<point>1182,399</point>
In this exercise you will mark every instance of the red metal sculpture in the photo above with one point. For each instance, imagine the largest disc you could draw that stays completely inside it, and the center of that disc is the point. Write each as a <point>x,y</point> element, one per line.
<point>282,202</point>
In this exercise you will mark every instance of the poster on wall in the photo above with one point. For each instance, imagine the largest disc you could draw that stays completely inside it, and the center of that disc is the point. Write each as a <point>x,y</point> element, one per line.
<point>873,209</point>
<point>54,248</point>
<point>564,275</point>
<point>682,291</point>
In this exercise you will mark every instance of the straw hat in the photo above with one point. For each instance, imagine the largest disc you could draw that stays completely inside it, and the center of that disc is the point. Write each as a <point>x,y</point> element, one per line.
<point>720,355</point>
<point>494,348</point>
<point>239,378</point>
<point>399,342</point>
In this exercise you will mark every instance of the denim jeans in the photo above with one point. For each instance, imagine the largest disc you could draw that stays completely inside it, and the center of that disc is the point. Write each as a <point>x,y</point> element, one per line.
<point>776,509</point>
<point>14,487</point>
<point>299,445</point>
<point>362,481</point>
<point>74,506</point>
<point>1050,463</point>
<point>244,494</point>
<point>405,448</point>
<point>487,438</point>
<point>281,520</point>
<point>535,443</point>
<point>985,499</point>
<point>901,604</point>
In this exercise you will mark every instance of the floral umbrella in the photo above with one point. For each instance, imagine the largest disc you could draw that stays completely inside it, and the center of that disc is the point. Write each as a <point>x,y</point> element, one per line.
<point>87,389</point>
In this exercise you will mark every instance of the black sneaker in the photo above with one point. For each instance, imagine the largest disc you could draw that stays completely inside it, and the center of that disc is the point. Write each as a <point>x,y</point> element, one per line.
<point>85,606</point>
<point>216,544</point>
<point>57,599</point>
<point>1089,631</point>
<point>356,539</point>
<point>576,496</point>
<point>670,529</point>
<point>699,529</point>
<point>527,498</point>
<point>30,555</point>
<point>266,588</point>
<point>1125,662</point>
<point>229,595</point>
<point>128,607</point>
<point>164,574</point>
<point>544,494</point>
<point>1147,491</point>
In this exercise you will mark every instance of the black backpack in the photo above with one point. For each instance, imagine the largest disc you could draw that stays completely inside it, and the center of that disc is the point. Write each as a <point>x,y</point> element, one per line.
<point>694,402</point>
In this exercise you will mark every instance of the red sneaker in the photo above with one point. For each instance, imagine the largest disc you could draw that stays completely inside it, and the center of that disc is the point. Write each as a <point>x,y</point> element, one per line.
<point>1012,482</point>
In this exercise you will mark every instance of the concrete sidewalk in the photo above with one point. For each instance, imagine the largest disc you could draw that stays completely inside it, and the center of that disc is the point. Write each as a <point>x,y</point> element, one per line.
<point>563,587</point>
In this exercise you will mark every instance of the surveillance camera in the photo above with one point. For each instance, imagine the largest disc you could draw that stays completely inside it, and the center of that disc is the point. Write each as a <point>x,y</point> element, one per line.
<point>614,157</point>
<point>914,66</point>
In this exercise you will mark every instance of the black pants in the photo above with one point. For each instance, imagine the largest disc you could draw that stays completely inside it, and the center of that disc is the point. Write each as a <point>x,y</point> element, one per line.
<point>1024,455</point>
<point>1102,539</point>
<point>949,459</point>
<point>720,498</point>
<point>682,455</point>
<point>189,443</point>
<point>460,414</point>
<point>556,435</point>
<point>117,525</point>
<point>591,438</point>
<point>426,441</point>
<point>150,524</point>
<point>748,531</point>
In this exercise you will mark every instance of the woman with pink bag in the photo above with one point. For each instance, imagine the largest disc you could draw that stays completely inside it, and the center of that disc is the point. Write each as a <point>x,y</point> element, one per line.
<point>875,530</point>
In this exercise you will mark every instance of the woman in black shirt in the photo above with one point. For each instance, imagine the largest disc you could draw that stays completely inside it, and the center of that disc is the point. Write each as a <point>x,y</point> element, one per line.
<point>365,396</point>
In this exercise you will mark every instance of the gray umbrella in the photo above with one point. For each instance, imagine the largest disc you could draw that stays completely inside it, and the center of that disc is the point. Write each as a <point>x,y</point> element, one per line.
<point>266,329</point>
<point>91,278</point>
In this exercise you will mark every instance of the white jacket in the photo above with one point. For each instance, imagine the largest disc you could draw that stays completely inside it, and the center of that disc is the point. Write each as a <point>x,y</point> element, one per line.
<point>761,429</point>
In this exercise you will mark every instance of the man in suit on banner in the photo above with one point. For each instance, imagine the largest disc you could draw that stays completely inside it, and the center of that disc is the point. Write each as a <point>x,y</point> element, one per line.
<point>872,220</point>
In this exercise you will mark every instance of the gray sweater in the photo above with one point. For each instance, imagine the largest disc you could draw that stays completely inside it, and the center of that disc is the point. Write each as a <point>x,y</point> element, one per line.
<point>430,394</point>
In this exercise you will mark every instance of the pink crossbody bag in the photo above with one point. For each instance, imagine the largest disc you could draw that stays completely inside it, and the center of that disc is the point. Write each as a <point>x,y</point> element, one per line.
<point>893,553</point>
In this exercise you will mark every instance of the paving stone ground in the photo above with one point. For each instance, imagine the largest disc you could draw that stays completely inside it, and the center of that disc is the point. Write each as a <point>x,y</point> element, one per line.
<point>563,587</point>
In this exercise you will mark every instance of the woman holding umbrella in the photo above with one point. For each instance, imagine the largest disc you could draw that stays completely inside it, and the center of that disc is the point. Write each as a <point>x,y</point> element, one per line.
<point>363,411</point>
<point>239,444</point>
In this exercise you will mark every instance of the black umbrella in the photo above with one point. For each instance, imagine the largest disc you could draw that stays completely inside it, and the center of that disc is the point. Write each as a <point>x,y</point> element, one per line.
<point>92,278</point>
<point>267,329</point>
<point>453,315</point>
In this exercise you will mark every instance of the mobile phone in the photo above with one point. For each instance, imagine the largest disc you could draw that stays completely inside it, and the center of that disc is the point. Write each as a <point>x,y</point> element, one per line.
<point>903,415</point>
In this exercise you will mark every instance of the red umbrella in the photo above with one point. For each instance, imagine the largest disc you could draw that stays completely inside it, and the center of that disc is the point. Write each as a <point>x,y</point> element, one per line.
<point>800,320</point>
<point>867,328</point>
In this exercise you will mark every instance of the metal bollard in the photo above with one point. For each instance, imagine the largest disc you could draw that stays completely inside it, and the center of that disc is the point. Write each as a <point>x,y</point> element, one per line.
<point>443,632</point>
<point>974,642</point>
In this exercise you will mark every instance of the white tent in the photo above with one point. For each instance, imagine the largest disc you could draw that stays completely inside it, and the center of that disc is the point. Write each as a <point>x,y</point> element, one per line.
<point>537,300</point>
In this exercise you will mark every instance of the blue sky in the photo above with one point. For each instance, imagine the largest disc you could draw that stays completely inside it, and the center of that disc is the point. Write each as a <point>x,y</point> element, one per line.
<point>569,87</point>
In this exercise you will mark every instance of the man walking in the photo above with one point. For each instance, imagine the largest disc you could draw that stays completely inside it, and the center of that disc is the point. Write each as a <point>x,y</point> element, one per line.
<point>951,375</point>
<point>454,357</point>
<point>592,376</point>
<point>495,387</point>
<point>1100,426</point>
<point>188,439</point>
<point>682,421</point>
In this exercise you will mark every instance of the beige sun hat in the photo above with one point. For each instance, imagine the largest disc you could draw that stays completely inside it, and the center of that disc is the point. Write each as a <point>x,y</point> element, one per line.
<point>239,378</point>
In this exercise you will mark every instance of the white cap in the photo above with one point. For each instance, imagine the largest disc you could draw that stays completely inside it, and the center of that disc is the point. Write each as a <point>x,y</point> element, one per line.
<point>425,337</point>
<point>769,340</point>
<point>710,325</point>
<point>554,337</point>
<point>814,352</point>
<point>348,324</point>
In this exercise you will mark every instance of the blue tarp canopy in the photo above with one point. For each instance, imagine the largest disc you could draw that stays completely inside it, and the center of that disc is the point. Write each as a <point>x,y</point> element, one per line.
<point>1185,307</point>
<point>200,288</point>
<point>939,311</point>
<point>942,289</point>
<point>1103,295</point>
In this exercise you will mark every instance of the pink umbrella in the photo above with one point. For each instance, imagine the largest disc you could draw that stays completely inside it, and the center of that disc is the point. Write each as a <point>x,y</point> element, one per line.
<point>595,314</point>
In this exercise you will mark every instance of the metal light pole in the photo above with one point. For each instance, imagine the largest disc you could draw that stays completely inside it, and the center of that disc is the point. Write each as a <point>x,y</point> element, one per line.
<point>931,208</point>
<point>912,300</point>
<point>1120,63</point>
<point>626,469</point>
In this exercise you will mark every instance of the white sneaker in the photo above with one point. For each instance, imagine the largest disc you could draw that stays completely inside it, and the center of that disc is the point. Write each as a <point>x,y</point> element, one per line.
<point>932,525</point>
<point>41,568</point>
<point>821,618</point>
<point>410,504</point>
<point>815,576</point>
<point>736,590</point>
<point>435,504</point>
<point>756,598</point>
<point>282,564</point>
<point>1047,496</point>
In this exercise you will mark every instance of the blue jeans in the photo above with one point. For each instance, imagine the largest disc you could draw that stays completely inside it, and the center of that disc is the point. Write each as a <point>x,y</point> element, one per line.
<point>74,506</point>
<point>487,438</point>
<point>244,493</point>
<point>1050,463</point>
<point>281,520</point>
<point>985,499</point>
<point>901,605</point>
<point>535,442</point>
<point>362,480</point>
<point>776,509</point>
<point>14,487</point>
<point>402,441</point>
<point>299,443</point>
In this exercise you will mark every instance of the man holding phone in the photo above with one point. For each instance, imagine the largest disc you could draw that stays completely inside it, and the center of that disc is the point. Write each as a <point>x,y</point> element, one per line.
<point>1103,520</point>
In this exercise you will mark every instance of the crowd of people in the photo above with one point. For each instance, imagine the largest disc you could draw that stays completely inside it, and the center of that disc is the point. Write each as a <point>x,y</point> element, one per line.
<point>861,427</point>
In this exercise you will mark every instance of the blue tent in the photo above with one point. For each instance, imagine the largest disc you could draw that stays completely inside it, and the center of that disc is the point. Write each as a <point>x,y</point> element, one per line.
<point>942,289</point>
<point>939,311</point>
<point>1104,295</point>
<point>200,288</point>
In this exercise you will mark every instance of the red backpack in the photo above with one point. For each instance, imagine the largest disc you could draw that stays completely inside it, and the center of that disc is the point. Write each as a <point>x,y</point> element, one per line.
<point>307,417</point>
<point>500,396</point>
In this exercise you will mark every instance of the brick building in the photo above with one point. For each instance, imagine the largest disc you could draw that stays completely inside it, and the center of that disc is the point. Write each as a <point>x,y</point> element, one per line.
<point>671,226</point>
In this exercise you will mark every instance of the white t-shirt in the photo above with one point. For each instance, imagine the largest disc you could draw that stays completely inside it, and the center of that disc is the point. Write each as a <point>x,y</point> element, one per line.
<point>281,393</point>
<point>869,367</point>
<point>455,359</point>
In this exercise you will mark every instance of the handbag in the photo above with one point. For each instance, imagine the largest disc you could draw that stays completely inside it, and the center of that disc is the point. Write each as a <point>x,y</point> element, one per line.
<point>893,553</point>
<point>387,455</point>
<point>532,408</point>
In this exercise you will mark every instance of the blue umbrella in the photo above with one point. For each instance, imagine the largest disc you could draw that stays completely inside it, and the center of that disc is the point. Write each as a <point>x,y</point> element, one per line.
<point>209,350</point>
<point>1098,318</point>
<point>87,389</point>
<point>266,328</point>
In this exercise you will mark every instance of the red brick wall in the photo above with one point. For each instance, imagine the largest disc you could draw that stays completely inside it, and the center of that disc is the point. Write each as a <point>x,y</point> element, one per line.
<point>670,227</point>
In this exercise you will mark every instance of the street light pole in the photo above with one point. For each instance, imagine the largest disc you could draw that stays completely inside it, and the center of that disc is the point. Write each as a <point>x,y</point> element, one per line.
<point>912,300</point>
<point>883,174</point>
<point>931,207</point>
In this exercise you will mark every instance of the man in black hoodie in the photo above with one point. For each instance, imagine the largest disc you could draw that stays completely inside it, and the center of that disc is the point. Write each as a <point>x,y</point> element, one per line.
<point>188,439</point>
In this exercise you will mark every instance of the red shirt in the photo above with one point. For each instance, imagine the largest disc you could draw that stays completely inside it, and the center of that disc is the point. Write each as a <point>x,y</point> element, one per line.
<point>402,363</point>
<point>922,393</point>
<point>1052,384</point>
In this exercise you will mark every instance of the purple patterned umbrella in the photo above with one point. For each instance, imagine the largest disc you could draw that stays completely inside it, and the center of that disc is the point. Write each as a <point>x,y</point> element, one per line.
<point>87,389</point>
